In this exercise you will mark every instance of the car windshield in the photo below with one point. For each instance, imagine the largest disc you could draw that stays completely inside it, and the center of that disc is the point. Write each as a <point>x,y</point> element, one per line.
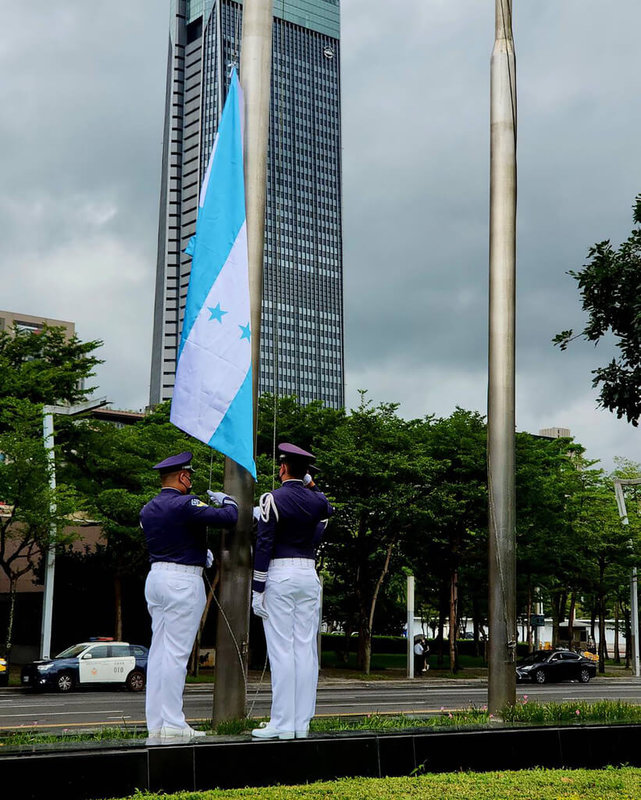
<point>72,651</point>
<point>533,658</point>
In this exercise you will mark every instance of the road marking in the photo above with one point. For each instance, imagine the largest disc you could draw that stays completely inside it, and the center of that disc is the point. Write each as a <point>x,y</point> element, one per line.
<point>46,726</point>
<point>59,714</point>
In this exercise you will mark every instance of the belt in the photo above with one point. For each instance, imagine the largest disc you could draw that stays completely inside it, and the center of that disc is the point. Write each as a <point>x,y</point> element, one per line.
<point>169,565</point>
<point>293,562</point>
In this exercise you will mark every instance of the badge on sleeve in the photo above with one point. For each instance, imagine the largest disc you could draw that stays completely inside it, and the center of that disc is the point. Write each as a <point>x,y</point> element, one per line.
<point>198,503</point>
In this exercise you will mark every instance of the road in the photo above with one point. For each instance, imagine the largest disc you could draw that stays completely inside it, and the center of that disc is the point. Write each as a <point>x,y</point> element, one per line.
<point>84,709</point>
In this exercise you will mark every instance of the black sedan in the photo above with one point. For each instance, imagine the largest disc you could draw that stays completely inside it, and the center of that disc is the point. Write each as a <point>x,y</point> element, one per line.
<point>89,664</point>
<point>543,666</point>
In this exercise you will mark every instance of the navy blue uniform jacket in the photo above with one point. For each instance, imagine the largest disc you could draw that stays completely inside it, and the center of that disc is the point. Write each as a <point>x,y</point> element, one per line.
<point>175,526</point>
<point>293,519</point>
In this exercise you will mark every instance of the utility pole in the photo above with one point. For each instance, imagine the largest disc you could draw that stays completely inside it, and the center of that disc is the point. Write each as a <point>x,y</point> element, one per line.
<point>50,555</point>
<point>232,638</point>
<point>410,626</point>
<point>619,483</point>
<point>501,383</point>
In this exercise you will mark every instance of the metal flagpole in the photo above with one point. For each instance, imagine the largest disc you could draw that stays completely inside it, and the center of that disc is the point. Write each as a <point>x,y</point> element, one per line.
<point>236,567</point>
<point>501,383</point>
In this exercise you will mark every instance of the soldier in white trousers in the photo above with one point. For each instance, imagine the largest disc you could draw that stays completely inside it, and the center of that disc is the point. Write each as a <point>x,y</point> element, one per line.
<point>286,592</point>
<point>175,526</point>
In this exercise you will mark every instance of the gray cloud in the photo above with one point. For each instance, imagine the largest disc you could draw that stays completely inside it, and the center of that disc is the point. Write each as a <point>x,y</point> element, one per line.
<point>81,131</point>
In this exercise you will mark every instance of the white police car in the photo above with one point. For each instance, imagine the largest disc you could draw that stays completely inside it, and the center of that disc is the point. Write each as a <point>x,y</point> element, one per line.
<point>98,662</point>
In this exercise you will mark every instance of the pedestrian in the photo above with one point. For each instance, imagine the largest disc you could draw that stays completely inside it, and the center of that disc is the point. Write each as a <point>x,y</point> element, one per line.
<point>286,591</point>
<point>419,657</point>
<point>175,527</point>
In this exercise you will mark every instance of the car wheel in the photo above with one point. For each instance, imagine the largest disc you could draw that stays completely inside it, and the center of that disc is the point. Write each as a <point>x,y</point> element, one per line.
<point>65,682</point>
<point>135,681</point>
<point>540,676</point>
<point>584,676</point>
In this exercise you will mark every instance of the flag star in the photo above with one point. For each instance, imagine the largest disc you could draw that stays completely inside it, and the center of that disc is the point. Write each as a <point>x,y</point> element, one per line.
<point>245,331</point>
<point>216,313</point>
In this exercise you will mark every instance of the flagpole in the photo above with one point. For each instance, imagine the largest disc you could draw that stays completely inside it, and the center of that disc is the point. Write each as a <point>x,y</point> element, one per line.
<point>501,367</point>
<point>236,566</point>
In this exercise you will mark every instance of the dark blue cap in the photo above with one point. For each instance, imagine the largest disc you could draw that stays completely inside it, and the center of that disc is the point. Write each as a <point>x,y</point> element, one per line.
<point>287,451</point>
<point>175,463</point>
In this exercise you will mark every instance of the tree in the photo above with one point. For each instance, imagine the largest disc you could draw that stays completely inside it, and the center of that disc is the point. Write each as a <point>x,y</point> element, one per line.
<point>610,289</point>
<point>43,367</point>
<point>378,478</point>
<point>36,516</point>
<point>452,553</point>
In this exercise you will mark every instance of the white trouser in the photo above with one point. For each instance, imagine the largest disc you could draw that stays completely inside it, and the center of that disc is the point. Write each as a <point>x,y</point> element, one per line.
<point>176,600</point>
<point>292,600</point>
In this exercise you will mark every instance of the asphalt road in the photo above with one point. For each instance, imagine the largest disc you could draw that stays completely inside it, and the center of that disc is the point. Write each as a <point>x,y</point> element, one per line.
<point>90,709</point>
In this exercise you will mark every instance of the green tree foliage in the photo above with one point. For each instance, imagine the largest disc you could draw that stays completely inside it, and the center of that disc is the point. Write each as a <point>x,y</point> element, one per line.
<point>34,516</point>
<point>378,476</point>
<point>37,368</point>
<point>610,289</point>
<point>45,366</point>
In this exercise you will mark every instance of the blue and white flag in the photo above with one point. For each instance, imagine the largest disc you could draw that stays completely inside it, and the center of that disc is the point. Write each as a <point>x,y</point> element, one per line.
<point>213,398</point>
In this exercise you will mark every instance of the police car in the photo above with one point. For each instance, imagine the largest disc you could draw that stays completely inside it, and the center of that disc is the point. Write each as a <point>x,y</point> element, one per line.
<point>4,672</point>
<point>98,662</point>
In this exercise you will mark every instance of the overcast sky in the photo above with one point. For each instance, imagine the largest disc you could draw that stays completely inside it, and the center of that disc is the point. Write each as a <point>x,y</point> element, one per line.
<point>82,95</point>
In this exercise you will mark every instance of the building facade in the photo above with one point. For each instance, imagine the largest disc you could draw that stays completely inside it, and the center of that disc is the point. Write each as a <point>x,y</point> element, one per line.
<point>301,350</point>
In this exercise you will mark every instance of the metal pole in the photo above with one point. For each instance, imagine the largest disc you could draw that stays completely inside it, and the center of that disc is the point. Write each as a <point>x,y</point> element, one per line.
<point>634,621</point>
<point>47,602</point>
<point>501,394</point>
<point>410,626</point>
<point>236,567</point>
<point>634,594</point>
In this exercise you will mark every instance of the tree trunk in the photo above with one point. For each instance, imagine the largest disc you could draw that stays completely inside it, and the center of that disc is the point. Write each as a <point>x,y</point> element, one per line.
<point>571,621</point>
<point>118,607</point>
<point>194,659</point>
<point>441,626</point>
<point>13,593</point>
<point>617,655</point>
<point>364,646</point>
<point>602,642</point>
<point>530,647</point>
<point>628,636</point>
<point>372,609</point>
<point>453,620</point>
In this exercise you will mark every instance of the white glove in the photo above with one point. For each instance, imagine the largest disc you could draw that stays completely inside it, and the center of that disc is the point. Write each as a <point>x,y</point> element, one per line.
<point>217,498</point>
<point>210,559</point>
<point>258,604</point>
<point>230,501</point>
<point>256,513</point>
<point>307,479</point>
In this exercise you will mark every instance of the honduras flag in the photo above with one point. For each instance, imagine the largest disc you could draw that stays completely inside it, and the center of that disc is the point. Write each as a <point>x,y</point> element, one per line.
<point>213,396</point>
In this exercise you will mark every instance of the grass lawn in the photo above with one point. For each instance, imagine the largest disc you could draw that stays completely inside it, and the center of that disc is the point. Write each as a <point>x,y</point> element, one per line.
<point>608,784</point>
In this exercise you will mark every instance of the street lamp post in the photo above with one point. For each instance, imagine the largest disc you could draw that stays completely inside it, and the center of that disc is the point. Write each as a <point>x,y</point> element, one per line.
<point>47,432</point>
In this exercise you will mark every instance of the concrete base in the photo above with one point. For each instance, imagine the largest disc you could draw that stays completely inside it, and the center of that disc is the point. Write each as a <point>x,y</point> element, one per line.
<point>100,770</point>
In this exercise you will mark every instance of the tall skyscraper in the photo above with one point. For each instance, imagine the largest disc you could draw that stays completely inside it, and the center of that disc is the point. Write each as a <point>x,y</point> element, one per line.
<point>302,313</point>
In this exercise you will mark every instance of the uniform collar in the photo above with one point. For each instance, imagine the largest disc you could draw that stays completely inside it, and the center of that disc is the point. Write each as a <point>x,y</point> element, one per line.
<point>292,480</point>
